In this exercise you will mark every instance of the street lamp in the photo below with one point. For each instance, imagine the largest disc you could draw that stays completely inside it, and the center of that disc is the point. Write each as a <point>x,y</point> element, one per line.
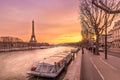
<point>106,33</point>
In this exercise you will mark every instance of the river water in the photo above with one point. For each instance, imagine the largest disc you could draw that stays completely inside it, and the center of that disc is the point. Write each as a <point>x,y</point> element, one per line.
<point>14,65</point>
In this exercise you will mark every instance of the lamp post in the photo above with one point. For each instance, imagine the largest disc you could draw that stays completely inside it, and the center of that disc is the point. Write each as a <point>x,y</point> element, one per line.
<point>106,33</point>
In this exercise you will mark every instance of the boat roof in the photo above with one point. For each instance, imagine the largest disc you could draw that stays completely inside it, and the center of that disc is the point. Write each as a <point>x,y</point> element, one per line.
<point>55,58</point>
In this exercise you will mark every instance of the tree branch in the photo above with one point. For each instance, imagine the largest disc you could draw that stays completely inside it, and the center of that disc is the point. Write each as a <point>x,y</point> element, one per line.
<point>105,8</point>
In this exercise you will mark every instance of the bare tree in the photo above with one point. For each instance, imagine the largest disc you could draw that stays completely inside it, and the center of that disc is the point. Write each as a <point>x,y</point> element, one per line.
<point>95,18</point>
<point>110,10</point>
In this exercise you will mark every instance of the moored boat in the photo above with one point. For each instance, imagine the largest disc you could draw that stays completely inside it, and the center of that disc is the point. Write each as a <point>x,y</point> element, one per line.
<point>52,66</point>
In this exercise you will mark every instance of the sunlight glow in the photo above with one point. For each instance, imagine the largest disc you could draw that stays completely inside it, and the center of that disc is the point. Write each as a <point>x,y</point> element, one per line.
<point>68,38</point>
<point>94,37</point>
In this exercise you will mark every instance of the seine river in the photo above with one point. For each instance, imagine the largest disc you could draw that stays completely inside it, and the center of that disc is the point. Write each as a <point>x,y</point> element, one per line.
<point>14,65</point>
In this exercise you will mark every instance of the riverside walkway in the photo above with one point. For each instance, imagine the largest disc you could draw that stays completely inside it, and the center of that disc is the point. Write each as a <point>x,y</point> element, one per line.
<point>74,70</point>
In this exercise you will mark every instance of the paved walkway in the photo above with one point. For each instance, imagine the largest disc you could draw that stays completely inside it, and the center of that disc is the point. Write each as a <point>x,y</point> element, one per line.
<point>73,72</point>
<point>108,69</point>
<point>88,71</point>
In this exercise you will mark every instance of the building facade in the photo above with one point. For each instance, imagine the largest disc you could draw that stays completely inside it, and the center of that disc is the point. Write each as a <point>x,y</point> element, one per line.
<point>114,35</point>
<point>110,38</point>
<point>10,42</point>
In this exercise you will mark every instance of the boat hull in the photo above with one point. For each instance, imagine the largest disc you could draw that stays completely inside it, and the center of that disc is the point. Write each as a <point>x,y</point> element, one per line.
<point>46,75</point>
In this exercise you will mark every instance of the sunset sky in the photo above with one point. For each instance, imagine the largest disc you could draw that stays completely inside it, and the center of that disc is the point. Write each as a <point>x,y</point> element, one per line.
<point>56,21</point>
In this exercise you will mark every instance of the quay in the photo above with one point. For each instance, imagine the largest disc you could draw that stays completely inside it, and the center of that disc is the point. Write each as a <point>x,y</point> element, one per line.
<point>74,70</point>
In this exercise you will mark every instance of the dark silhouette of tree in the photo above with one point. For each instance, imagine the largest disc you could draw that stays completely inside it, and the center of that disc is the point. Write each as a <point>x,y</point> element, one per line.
<point>110,10</point>
<point>95,18</point>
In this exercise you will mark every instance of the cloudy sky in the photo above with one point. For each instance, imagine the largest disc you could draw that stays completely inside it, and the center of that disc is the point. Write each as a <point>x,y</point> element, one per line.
<point>56,21</point>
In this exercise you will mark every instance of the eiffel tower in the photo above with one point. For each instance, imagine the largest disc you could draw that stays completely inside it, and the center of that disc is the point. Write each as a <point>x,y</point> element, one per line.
<point>33,39</point>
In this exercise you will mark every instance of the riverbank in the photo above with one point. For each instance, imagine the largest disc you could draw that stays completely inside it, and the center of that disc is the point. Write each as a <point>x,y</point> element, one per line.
<point>23,49</point>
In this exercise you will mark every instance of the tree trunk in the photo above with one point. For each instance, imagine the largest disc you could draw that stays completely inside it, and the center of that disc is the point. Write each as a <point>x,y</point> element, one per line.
<point>97,45</point>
